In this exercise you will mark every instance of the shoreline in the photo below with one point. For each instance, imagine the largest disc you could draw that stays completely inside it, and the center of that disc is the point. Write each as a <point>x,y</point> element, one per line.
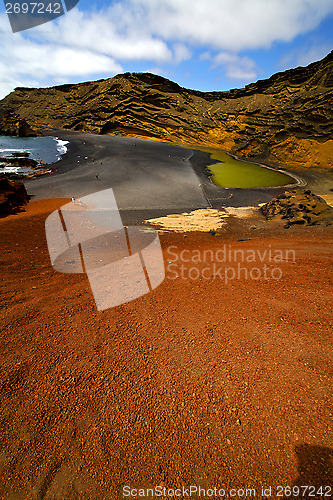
<point>299,182</point>
<point>73,168</point>
<point>100,148</point>
<point>167,181</point>
<point>42,166</point>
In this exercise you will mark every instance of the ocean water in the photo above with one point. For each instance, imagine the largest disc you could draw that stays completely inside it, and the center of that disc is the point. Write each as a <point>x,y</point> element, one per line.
<point>42,149</point>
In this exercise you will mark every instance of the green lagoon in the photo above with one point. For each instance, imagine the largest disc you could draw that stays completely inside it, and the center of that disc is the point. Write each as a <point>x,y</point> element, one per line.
<point>242,174</point>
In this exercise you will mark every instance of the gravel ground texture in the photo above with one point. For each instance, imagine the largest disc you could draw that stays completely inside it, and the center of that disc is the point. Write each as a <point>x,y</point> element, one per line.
<point>204,382</point>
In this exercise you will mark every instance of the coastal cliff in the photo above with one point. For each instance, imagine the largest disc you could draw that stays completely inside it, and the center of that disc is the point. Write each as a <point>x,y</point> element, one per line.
<point>12,124</point>
<point>286,120</point>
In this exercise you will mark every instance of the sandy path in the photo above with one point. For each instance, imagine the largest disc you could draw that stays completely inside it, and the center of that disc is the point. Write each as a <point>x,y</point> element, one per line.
<point>200,382</point>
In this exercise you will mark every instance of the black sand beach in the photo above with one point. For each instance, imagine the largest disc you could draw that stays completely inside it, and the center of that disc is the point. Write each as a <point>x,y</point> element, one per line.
<point>149,178</point>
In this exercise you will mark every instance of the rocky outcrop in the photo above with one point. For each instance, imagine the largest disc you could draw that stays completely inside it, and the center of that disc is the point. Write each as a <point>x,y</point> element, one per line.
<point>13,124</point>
<point>18,160</point>
<point>13,195</point>
<point>298,207</point>
<point>286,120</point>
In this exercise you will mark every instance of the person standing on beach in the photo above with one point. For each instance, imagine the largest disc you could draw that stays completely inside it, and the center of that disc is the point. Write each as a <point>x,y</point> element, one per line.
<point>97,176</point>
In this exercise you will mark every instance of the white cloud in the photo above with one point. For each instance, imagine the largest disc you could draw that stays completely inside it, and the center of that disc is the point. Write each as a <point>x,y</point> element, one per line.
<point>106,34</point>
<point>232,25</point>
<point>158,71</point>
<point>205,56</point>
<point>6,85</point>
<point>144,29</point>
<point>236,67</point>
<point>23,60</point>
<point>49,60</point>
<point>315,53</point>
<point>242,69</point>
<point>99,42</point>
<point>180,53</point>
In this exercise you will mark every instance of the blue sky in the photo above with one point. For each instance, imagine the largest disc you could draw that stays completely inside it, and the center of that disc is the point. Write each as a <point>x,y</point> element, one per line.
<point>200,44</point>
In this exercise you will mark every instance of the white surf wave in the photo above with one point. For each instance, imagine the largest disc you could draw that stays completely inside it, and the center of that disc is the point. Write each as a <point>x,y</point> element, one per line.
<point>6,151</point>
<point>61,147</point>
<point>15,170</point>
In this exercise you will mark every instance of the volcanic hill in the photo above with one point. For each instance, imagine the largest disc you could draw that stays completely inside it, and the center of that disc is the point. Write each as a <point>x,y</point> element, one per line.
<point>286,120</point>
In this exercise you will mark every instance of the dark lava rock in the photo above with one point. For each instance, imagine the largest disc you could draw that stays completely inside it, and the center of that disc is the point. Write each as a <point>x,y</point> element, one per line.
<point>298,207</point>
<point>19,160</point>
<point>13,124</point>
<point>13,195</point>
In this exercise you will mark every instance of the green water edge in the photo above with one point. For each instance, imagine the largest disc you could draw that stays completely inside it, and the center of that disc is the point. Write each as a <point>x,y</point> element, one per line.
<point>232,173</point>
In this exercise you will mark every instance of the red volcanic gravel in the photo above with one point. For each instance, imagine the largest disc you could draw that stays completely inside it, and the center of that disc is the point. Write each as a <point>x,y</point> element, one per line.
<point>200,382</point>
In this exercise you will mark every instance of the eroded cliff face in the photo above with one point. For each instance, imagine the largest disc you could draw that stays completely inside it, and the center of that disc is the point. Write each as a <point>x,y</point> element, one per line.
<point>13,124</point>
<point>285,120</point>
